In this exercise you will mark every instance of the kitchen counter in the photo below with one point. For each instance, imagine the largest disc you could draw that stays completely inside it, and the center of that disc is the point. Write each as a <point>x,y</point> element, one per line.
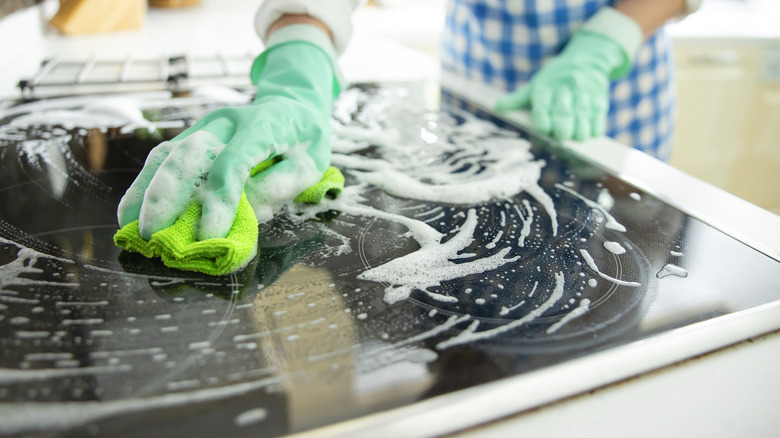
<point>729,392</point>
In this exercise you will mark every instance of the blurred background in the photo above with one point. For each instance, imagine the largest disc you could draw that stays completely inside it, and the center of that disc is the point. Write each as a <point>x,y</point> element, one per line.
<point>727,64</point>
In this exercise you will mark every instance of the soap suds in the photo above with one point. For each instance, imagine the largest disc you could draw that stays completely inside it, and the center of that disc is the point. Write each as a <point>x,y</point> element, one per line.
<point>672,270</point>
<point>250,417</point>
<point>614,247</point>
<point>496,239</point>
<point>576,313</point>
<point>25,263</point>
<point>97,113</point>
<point>505,310</point>
<point>611,223</point>
<point>471,335</point>
<point>454,172</point>
<point>592,265</point>
<point>527,222</point>
<point>431,264</point>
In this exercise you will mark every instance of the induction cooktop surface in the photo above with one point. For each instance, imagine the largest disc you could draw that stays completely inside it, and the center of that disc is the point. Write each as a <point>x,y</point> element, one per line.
<point>463,251</point>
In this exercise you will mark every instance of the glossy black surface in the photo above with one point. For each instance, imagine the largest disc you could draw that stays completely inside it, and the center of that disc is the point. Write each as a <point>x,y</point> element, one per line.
<point>100,342</point>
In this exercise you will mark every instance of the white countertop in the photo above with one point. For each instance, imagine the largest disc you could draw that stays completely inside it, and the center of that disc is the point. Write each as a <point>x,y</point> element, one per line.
<point>732,392</point>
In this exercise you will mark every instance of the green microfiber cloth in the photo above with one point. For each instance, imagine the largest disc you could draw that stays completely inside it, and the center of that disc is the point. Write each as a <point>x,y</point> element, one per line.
<point>332,183</point>
<point>179,248</point>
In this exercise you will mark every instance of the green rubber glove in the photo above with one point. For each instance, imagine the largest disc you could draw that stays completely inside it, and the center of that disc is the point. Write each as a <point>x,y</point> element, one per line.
<point>569,96</point>
<point>273,149</point>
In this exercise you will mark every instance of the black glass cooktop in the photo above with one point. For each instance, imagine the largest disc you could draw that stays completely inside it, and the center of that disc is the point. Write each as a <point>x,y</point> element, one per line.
<point>409,286</point>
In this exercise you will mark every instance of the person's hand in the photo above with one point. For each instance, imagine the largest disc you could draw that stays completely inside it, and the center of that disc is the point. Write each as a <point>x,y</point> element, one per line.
<point>273,149</point>
<point>569,96</point>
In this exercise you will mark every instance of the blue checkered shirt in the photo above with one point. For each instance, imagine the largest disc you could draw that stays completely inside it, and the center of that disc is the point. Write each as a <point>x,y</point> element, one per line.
<point>504,42</point>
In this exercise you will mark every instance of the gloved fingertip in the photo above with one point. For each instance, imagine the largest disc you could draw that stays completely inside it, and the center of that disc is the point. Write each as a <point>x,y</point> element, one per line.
<point>598,128</point>
<point>563,131</point>
<point>504,104</point>
<point>542,122</point>
<point>215,220</point>
<point>146,230</point>
<point>514,101</point>
<point>583,129</point>
<point>125,216</point>
<point>563,126</point>
<point>562,135</point>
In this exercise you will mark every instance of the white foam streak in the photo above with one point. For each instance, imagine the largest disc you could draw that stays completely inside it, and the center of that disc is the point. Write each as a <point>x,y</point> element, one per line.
<point>250,417</point>
<point>614,247</point>
<point>611,224</point>
<point>431,264</point>
<point>592,265</point>
<point>527,222</point>
<point>471,335</point>
<point>451,322</point>
<point>576,313</point>
<point>97,113</point>
<point>24,263</point>
<point>505,310</point>
<point>673,270</point>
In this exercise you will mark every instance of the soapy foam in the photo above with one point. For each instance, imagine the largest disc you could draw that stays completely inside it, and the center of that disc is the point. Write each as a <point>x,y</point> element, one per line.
<point>112,112</point>
<point>431,264</point>
<point>178,181</point>
<point>268,192</point>
<point>250,417</point>
<point>453,172</point>
<point>527,222</point>
<point>592,265</point>
<point>672,270</point>
<point>505,310</point>
<point>614,247</point>
<point>218,93</point>
<point>11,273</point>
<point>576,313</point>
<point>611,223</point>
<point>471,335</point>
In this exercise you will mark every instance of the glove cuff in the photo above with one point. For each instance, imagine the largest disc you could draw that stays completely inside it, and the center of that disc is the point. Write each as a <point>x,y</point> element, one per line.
<point>301,33</point>
<point>620,29</point>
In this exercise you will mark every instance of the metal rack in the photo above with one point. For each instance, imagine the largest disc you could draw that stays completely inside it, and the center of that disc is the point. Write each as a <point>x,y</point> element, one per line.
<point>176,73</point>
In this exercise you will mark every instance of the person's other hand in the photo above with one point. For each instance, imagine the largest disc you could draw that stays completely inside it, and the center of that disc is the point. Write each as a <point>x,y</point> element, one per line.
<point>569,96</point>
